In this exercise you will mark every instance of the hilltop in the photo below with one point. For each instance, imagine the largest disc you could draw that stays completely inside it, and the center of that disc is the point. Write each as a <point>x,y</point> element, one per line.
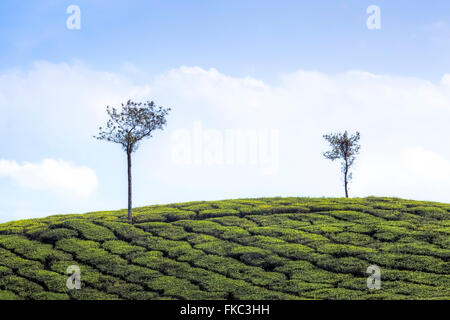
<point>269,248</point>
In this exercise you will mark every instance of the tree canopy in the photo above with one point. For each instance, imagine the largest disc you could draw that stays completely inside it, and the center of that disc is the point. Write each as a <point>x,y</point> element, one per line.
<point>134,122</point>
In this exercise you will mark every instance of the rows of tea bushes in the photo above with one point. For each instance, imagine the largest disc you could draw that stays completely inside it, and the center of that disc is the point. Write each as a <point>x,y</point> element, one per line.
<point>269,248</point>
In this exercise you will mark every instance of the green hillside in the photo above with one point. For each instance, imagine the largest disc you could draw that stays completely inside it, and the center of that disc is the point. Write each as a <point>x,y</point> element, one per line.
<point>272,248</point>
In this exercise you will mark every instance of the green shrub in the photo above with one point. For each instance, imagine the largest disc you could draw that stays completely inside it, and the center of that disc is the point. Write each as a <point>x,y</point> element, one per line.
<point>173,286</point>
<point>206,227</point>
<point>32,249</point>
<point>257,210</point>
<point>198,207</point>
<point>212,213</point>
<point>91,294</point>
<point>142,295</point>
<point>21,286</point>
<point>5,271</point>
<point>298,287</point>
<point>123,248</point>
<point>419,277</point>
<point>165,230</point>
<point>181,215</point>
<point>124,290</point>
<point>285,220</point>
<point>89,252</point>
<point>323,229</point>
<point>53,281</point>
<point>289,235</point>
<point>355,216</point>
<point>290,209</point>
<point>89,230</point>
<point>418,248</point>
<point>351,238</point>
<point>15,262</point>
<point>413,289</point>
<point>53,235</point>
<point>429,212</point>
<point>248,253</point>
<point>49,296</point>
<point>195,238</point>
<point>343,265</point>
<point>268,248</point>
<point>342,250</point>
<point>90,276</point>
<point>218,247</point>
<point>8,295</point>
<point>141,217</point>
<point>410,262</point>
<point>334,293</point>
<point>138,274</point>
<point>125,231</point>
<point>233,221</point>
<point>190,255</point>
<point>306,271</point>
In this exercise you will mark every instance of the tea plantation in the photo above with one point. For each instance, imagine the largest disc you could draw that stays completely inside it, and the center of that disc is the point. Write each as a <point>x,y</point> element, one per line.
<point>270,248</point>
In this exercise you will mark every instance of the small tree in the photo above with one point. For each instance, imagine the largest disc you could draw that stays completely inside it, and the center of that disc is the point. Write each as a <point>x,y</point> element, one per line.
<point>134,122</point>
<point>343,147</point>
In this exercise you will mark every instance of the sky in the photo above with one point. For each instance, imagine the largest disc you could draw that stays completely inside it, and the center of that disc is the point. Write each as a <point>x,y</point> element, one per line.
<point>253,86</point>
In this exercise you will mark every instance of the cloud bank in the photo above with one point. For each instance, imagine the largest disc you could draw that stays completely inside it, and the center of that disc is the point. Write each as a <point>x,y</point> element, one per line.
<point>55,175</point>
<point>403,123</point>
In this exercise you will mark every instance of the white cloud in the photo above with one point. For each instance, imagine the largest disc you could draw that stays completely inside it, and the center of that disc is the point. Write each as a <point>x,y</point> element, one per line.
<point>50,174</point>
<point>403,122</point>
<point>413,172</point>
<point>65,97</point>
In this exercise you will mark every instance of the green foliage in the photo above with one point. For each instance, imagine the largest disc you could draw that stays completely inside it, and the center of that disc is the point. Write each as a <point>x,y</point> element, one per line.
<point>21,286</point>
<point>335,293</point>
<point>49,296</point>
<point>342,250</point>
<point>164,230</point>
<point>429,212</point>
<point>296,286</point>
<point>91,294</point>
<point>352,237</point>
<point>53,281</point>
<point>53,235</point>
<point>132,123</point>
<point>211,213</point>
<point>8,295</point>
<point>272,248</point>
<point>89,230</point>
<point>123,248</point>
<point>342,265</point>
<point>32,250</point>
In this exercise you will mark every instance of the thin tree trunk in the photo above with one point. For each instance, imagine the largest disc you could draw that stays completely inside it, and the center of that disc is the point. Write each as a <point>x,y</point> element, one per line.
<point>345,178</point>
<point>130,217</point>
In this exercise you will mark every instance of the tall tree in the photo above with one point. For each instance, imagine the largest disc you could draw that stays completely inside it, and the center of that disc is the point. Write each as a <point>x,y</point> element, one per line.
<point>128,126</point>
<point>345,147</point>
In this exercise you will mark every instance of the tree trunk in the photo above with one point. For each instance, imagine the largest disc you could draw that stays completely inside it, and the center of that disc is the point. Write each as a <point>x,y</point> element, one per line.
<point>130,216</point>
<point>345,178</point>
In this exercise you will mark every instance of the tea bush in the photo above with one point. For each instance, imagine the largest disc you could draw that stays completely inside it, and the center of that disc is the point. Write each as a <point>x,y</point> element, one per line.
<point>266,248</point>
<point>89,230</point>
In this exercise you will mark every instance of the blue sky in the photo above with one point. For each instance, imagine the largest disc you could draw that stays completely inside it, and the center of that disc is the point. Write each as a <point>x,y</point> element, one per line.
<point>259,38</point>
<point>293,68</point>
